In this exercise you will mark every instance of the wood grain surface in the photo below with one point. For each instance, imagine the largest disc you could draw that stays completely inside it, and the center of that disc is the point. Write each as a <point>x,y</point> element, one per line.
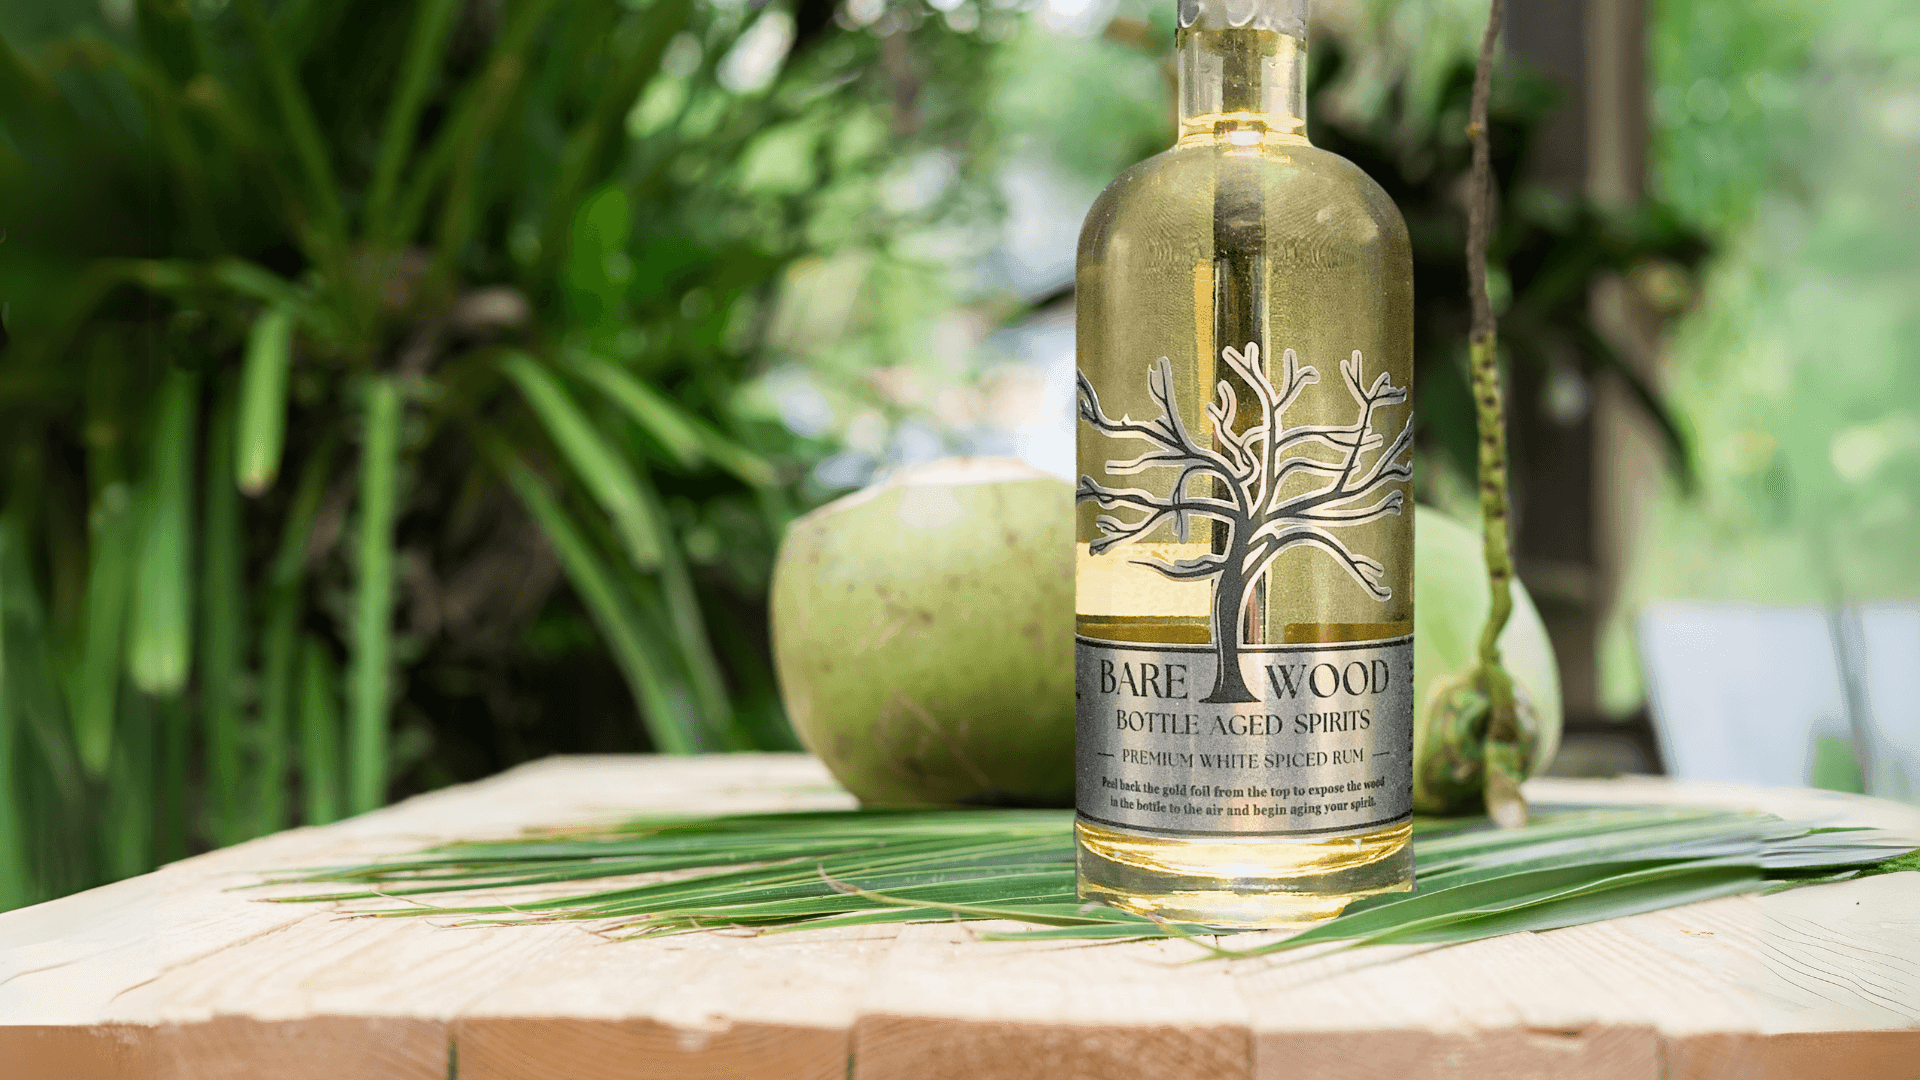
<point>177,975</point>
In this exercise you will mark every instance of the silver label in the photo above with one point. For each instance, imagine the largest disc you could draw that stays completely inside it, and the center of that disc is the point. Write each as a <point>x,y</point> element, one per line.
<point>1326,749</point>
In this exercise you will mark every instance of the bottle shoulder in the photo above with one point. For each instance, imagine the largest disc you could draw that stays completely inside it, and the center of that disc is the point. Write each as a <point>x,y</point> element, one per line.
<point>1302,183</point>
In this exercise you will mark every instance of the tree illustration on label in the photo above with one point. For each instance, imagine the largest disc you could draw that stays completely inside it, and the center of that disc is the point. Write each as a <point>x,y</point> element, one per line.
<point>1242,481</point>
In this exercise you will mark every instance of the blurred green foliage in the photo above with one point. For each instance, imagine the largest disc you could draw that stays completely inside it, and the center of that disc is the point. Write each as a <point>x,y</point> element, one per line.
<point>1548,251</point>
<point>1790,132</point>
<point>342,332</point>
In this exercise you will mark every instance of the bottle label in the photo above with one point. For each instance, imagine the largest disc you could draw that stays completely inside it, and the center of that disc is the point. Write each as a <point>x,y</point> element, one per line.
<point>1326,749</point>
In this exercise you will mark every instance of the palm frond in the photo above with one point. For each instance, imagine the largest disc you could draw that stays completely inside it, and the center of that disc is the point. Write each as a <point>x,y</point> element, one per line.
<point>792,871</point>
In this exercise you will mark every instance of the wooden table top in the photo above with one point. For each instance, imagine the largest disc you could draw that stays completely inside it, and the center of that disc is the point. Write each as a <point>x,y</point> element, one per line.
<point>173,975</point>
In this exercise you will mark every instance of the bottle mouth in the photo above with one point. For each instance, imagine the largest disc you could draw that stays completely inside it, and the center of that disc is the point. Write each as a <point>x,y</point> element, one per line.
<point>1281,16</point>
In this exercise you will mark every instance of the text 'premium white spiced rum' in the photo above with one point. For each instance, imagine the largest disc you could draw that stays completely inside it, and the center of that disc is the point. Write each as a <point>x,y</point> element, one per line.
<point>1245,518</point>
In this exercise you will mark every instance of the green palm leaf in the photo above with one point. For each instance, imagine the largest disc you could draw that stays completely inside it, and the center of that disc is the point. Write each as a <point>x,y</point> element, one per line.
<point>425,46</point>
<point>778,872</point>
<point>13,849</point>
<point>96,686</point>
<point>367,758</point>
<point>263,401</point>
<point>296,113</point>
<point>688,438</point>
<point>160,640</point>
<point>606,473</point>
<point>598,589</point>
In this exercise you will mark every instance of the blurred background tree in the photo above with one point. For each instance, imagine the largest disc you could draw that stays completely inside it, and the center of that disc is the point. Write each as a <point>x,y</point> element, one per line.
<point>371,407</point>
<point>396,392</point>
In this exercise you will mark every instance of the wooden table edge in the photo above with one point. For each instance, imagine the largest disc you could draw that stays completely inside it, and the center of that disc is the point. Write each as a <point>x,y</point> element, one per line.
<point>881,1046</point>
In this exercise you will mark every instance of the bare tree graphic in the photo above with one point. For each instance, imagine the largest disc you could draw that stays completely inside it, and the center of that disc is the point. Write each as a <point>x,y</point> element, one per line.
<point>1241,479</point>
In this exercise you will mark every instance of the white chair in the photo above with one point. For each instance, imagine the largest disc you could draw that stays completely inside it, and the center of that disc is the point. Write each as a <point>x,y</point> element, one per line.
<point>1766,694</point>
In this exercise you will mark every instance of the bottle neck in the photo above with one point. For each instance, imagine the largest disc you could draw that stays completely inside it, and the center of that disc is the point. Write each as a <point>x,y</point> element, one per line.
<point>1242,86</point>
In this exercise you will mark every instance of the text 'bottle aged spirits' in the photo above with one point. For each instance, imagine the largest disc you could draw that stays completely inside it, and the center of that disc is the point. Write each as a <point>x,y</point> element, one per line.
<point>1245,516</point>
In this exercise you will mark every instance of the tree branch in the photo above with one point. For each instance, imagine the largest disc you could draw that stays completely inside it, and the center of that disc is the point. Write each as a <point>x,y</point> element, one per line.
<point>1158,459</point>
<point>1224,409</point>
<point>1305,464</point>
<point>1359,515</point>
<point>1156,508</point>
<point>1283,535</point>
<point>1330,434</point>
<point>1123,428</point>
<point>1294,378</point>
<point>1386,468</point>
<point>1168,432</point>
<point>1388,463</point>
<point>1200,569</point>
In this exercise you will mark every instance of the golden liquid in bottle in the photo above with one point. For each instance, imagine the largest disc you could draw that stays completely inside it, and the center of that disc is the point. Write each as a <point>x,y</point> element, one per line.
<point>1243,234</point>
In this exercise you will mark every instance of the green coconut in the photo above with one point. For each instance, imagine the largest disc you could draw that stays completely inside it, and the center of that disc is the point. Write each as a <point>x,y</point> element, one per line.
<point>923,634</point>
<point>1450,601</point>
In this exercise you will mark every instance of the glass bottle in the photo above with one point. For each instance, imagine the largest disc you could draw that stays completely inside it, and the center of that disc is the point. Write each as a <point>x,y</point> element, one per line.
<point>1245,513</point>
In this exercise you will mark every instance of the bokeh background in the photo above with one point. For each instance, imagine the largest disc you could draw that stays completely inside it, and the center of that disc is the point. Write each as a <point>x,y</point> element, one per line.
<point>393,392</point>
